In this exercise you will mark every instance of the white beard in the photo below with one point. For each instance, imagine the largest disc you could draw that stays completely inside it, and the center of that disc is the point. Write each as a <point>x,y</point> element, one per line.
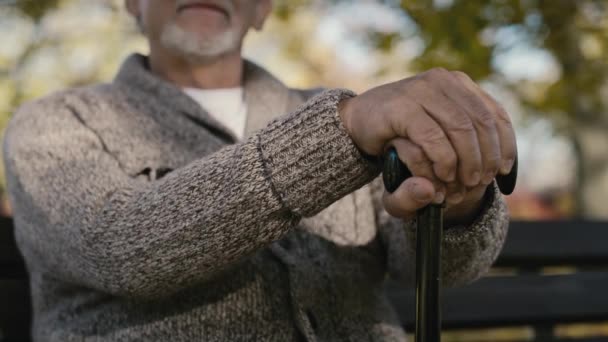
<point>197,49</point>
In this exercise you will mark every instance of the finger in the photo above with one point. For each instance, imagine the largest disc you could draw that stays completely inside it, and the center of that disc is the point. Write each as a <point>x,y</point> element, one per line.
<point>457,124</point>
<point>506,133</point>
<point>508,142</point>
<point>422,130</point>
<point>456,193</point>
<point>467,94</point>
<point>504,126</point>
<point>413,194</point>
<point>419,164</point>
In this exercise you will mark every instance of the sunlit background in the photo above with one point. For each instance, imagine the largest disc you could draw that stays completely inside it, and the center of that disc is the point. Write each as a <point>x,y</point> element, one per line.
<point>546,61</point>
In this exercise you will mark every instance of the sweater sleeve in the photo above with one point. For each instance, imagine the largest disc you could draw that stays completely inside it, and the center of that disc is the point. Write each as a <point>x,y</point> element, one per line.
<point>467,252</point>
<point>80,217</point>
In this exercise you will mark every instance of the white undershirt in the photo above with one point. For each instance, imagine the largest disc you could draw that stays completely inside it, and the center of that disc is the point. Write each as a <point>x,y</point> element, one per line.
<point>226,105</point>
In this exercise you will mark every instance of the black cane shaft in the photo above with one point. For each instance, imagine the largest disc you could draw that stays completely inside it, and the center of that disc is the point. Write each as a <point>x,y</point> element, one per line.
<point>428,274</point>
<point>428,248</point>
<point>428,255</point>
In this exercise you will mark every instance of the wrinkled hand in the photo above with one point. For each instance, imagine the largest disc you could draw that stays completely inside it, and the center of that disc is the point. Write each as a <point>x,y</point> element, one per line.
<point>463,203</point>
<point>451,134</point>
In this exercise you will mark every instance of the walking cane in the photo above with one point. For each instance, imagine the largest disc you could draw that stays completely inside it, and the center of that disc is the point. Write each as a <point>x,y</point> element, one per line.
<point>428,248</point>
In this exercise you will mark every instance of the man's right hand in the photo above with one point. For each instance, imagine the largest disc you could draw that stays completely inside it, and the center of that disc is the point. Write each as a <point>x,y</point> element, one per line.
<point>443,126</point>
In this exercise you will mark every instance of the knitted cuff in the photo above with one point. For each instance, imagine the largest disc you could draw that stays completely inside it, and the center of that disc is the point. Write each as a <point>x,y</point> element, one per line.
<point>310,159</point>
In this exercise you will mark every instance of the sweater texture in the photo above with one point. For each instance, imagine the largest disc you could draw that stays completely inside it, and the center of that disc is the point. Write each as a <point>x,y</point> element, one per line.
<point>141,218</point>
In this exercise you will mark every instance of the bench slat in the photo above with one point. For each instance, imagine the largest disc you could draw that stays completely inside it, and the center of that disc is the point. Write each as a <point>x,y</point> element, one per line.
<point>551,243</point>
<point>514,301</point>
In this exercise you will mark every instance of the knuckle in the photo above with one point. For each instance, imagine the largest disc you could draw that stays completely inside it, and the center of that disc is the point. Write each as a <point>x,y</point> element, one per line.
<point>503,117</point>
<point>462,123</point>
<point>461,75</point>
<point>485,118</point>
<point>424,81</point>
<point>422,84</point>
<point>447,162</point>
<point>433,136</point>
<point>415,155</point>
<point>435,73</point>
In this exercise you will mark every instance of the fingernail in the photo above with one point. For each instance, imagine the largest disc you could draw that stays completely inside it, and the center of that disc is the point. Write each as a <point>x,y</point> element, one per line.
<point>419,194</point>
<point>506,167</point>
<point>455,198</point>
<point>488,177</point>
<point>475,178</point>
<point>439,198</point>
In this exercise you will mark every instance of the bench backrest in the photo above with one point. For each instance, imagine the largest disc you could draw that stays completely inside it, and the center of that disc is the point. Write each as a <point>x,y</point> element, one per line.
<point>536,244</point>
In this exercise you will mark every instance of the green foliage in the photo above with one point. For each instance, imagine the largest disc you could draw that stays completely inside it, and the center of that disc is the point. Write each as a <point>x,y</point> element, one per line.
<point>463,35</point>
<point>52,46</point>
<point>459,36</point>
<point>36,9</point>
<point>384,41</point>
<point>452,36</point>
<point>284,9</point>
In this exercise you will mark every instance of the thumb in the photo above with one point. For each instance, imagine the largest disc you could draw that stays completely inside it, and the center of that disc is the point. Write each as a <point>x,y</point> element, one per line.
<point>413,194</point>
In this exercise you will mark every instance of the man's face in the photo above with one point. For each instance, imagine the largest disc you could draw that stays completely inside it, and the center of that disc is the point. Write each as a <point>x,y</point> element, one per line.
<point>199,29</point>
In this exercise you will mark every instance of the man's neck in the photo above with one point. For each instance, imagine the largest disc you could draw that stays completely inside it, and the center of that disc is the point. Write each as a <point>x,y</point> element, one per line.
<point>222,72</point>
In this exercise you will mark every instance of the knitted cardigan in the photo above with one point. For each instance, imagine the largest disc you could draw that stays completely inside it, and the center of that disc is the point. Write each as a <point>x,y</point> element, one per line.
<point>141,218</point>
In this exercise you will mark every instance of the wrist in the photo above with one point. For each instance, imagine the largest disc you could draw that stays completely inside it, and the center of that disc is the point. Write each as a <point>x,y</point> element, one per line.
<point>344,111</point>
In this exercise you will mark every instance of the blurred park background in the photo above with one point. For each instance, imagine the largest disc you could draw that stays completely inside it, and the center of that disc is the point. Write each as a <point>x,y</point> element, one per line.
<point>545,60</point>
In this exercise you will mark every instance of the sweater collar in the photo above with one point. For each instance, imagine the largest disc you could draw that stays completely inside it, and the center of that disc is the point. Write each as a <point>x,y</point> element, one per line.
<point>266,96</point>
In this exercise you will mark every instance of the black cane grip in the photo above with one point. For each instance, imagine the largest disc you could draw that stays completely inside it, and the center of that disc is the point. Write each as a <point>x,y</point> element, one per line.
<point>395,172</point>
<point>506,183</point>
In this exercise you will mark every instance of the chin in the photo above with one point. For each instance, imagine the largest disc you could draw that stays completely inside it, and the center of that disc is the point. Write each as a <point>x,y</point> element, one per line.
<point>201,36</point>
<point>200,42</point>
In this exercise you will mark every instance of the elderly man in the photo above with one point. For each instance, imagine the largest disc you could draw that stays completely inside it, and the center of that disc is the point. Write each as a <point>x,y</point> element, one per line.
<point>197,198</point>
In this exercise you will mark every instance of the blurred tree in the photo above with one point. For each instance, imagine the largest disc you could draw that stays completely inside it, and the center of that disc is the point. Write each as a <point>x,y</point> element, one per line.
<point>468,35</point>
<point>51,45</point>
<point>35,9</point>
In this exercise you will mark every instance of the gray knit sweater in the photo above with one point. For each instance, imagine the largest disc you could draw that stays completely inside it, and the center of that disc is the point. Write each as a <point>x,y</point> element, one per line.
<point>142,219</point>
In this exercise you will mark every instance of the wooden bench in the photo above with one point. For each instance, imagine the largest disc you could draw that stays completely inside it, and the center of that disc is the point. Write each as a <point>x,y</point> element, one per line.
<point>526,298</point>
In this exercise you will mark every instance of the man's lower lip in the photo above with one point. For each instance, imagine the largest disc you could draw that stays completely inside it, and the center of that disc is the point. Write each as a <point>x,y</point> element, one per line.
<point>202,7</point>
